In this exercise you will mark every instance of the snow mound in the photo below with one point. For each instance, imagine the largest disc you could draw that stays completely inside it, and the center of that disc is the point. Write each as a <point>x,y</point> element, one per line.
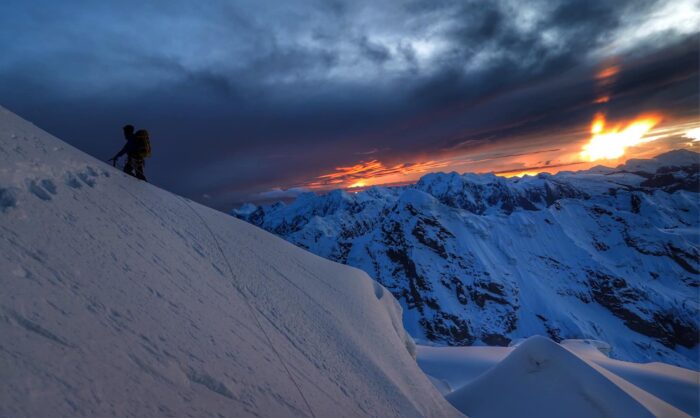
<point>121,299</point>
<point>677,386</point>
<point>541,378</point>
<point>451,368</point>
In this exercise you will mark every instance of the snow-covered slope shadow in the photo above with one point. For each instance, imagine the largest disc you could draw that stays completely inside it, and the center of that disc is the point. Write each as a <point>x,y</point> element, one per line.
<point>121,299</point>
<point>541,378</point>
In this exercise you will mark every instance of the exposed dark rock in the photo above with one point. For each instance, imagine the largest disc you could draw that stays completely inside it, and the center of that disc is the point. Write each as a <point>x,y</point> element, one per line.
<point>635,203</point>
<point>419,231</point>
<point>487,291</point>
<point>614,294</point>
<point>600,246</point>
<point>447,328</point>
<point>683,258</point>
<point>600,211</point>
<point>496,339</point>
<point>553,332</point>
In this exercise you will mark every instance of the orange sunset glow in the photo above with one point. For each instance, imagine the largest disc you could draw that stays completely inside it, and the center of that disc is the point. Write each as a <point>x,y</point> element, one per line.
<point>611,143</point>
<point>603,141</point>
<point>373,173</point>
<point>608,72</point>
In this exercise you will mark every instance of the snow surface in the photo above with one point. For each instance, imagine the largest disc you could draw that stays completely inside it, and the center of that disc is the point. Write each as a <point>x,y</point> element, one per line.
<point>121,299</point>
<point>541,378</point>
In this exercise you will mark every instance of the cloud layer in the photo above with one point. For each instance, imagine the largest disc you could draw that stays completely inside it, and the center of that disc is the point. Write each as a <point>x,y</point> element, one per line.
<point>246,97</point>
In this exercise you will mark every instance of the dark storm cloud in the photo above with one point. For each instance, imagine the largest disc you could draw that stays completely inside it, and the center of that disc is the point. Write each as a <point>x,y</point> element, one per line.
<point>662,81</point>
<point>375,52</point>
<point>563,38</point>
<point>244,97</point>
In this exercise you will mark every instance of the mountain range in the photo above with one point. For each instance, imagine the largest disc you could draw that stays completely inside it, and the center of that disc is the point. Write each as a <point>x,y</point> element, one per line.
<point>122,299</point>
<point>609,254</point>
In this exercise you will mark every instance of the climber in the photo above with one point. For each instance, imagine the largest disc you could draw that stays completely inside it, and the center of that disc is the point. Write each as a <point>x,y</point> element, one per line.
<point>137,148</point>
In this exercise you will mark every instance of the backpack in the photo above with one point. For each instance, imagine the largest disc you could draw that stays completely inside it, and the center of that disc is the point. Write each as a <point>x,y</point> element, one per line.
<point>143,144</point>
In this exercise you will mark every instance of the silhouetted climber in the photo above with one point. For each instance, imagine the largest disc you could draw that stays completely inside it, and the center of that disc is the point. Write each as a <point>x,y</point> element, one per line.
<point>137,147</point>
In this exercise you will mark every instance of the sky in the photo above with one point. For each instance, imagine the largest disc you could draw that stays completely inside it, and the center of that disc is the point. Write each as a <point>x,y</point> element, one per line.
<point>262,100</point>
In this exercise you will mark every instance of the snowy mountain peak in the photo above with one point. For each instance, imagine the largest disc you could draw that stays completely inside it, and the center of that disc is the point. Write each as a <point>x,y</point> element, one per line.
<point>608,253</point>
<point>541,375</point>
<point>674,158</point>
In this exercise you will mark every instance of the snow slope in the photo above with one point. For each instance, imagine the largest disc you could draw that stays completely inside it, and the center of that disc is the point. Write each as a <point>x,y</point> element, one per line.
<point>539,377</point>
<point>120,299</point>
<point>611,254</point>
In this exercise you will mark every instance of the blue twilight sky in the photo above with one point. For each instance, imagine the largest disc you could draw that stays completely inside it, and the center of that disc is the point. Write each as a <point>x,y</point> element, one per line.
<point>254,100</point>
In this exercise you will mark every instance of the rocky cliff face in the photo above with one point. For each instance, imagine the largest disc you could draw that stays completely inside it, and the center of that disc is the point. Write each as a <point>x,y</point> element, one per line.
<point>610,254</point>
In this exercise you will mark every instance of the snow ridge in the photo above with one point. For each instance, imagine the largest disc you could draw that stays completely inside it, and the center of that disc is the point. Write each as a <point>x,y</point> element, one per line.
<point>121,299</point>
<point>538,377</point>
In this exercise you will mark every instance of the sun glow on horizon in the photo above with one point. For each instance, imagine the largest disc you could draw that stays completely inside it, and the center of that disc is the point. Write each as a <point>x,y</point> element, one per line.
<point>370,173</point>
<point>612,143</point>
<point>609,143</point>
<point>520,173</point>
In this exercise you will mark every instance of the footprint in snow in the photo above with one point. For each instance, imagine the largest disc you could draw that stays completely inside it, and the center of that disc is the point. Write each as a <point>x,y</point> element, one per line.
<point>49,185</point>
<point>72,181</point>
<point>8,199</point>
<point>39,191</point>
<point>87,178</point>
